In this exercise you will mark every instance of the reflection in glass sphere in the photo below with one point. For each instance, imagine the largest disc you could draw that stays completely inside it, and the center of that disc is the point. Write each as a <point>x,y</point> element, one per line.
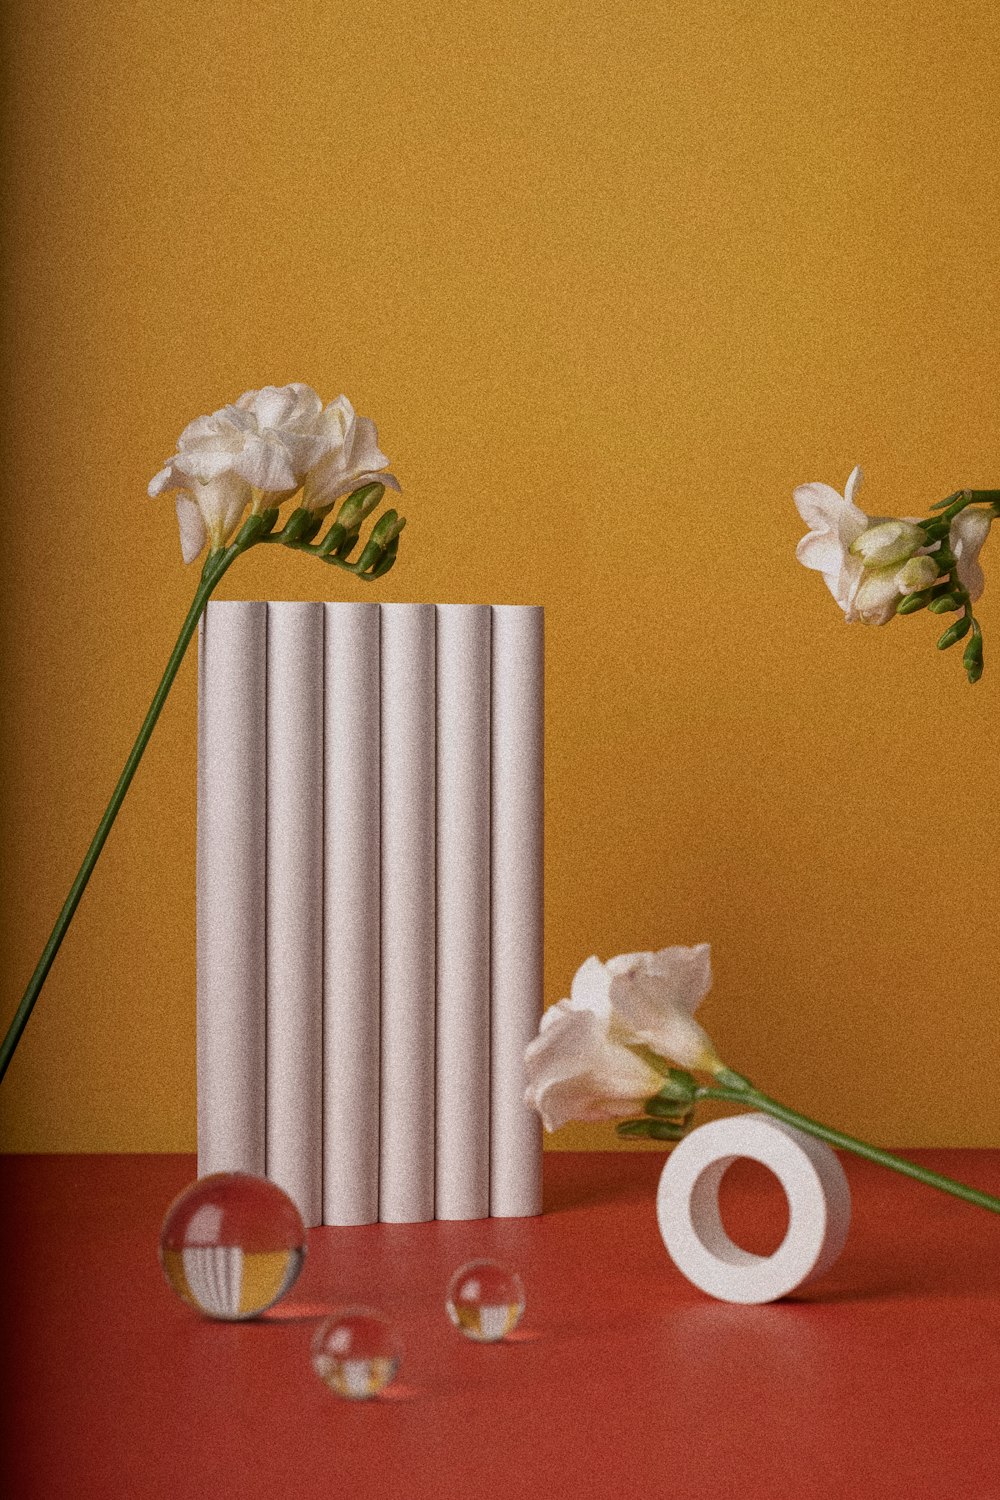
<point>355,1352</point>
<point>485,1300</point>
<point>232,1244</point>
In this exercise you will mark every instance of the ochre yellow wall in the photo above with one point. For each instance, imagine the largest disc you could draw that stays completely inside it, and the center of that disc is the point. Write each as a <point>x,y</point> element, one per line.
<point>612,279</point>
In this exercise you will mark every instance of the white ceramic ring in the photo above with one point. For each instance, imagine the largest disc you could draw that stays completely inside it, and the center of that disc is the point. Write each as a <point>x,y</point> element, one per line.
<point>687,1208</point>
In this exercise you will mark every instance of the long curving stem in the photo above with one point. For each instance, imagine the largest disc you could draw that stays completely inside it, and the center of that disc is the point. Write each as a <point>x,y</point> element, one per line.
<point>216,565</point>
<point>750,1096</point>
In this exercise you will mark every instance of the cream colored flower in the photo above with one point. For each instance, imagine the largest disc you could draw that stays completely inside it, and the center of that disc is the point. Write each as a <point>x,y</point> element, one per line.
<point>655,995</point>
<point>258,452</point>
<point>351,457</point>
<point>864,560</point>
<point>255,452</point>
<point>578,1067</point>
<point>835,523</point>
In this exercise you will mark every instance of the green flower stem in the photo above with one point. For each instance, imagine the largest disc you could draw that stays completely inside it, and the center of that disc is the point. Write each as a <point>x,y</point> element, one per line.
<point>751,1097</point>
<point>217,564</point>
<point>257,528</point>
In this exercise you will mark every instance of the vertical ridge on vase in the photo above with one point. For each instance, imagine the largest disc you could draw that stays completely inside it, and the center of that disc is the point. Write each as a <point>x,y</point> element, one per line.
<point>351,965</point>
<point>230,941</point>
<point>462,1149</point>
<point>294,945</point>
<point>406,1185</point>
<point>516,902</point>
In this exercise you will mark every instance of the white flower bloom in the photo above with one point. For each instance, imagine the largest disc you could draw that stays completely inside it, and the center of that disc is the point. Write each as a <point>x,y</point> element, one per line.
<point>351,457</point>
<point>258,452</point>
<point>655,995</point>
<point>863,559</point>
<point>835,523</point>
<point>968,532</point>
<point>211,511</point>
<point>578,1067</point>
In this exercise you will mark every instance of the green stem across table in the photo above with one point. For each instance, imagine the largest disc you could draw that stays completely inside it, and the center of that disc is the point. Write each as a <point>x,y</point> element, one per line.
<point>743,1092</point>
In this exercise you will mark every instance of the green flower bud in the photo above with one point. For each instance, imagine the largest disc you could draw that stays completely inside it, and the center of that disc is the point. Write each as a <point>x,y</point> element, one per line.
<point>910,603</point>
<point>678,1088</point>
<point>975,671</point>
<point>943,604</point>
<point>333,539</point>
<point>973,652</point>
<point>633,1129</point>
<point>386,562</point>
<point>360,504</point>
<point>387,528</point>
<point>301,525</point>
<point>955,632</point>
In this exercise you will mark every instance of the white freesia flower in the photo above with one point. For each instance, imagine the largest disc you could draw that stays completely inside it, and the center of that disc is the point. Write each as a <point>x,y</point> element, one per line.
<point>258,452</point>
<point>210,511</point>
<point>655,995</point>
<point>351,457</point>
<point>835,523</point>
<point>968,532</point>
<point>578,1067</point>
<point>863,559</point>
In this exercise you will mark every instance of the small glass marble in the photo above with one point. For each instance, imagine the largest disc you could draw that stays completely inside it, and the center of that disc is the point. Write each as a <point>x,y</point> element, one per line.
<point>355,1352</point>
<point>231,1245</point>
<point>485,1300</point>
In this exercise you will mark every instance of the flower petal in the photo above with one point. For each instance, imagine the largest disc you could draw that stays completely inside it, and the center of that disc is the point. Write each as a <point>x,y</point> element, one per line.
<point>264,463</point>
<point>968,532</point>
<point>687,971</point>
<point>821,551</point>
<point>574,1071</point>
<point>819,505</point>
<point>854,482</point>
<point>192,527</point>
<point>591,988</point>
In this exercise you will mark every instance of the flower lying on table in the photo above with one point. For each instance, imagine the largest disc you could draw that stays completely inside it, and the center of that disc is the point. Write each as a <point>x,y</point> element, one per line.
<point>231,474</point>
<point>611,1049</point>
<point>877,568</point>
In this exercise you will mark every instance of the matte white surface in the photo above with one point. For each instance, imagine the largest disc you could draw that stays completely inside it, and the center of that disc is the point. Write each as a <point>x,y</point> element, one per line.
<point>687,1208</point>
<point>352,885</point>
<point>295,903</point>
<point>516,935</point>
<point>406,1187</point>
<point>230,940</point>
<point>462,1158</point>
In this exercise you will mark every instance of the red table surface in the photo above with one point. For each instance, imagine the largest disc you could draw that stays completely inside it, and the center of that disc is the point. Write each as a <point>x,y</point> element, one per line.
<point>880,1380</point>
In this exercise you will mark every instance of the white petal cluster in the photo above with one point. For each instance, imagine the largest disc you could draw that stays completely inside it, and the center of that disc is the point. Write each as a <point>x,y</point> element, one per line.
<point>582,1065</point>
<point>258,452</point>
<point>866,561</point>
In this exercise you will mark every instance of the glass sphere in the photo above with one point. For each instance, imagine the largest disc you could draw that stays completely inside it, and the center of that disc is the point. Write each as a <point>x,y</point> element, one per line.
<point>232,1244</point>
<point>355,1352</point>
<point>485,1300</point>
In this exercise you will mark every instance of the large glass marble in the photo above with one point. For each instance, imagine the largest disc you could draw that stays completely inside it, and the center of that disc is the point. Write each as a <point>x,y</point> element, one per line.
<point>232,1244</point>
<point>485,1300</point>
<point>355,1352</point>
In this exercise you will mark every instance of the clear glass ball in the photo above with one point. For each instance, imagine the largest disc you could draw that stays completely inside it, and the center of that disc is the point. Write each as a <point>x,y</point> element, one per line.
<point>485,1300</point>
<point>232,1244</point>
<point>355,1352</point>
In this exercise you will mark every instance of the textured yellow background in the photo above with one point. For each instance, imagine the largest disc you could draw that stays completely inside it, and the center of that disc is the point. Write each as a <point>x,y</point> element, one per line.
<point>612,280</point>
